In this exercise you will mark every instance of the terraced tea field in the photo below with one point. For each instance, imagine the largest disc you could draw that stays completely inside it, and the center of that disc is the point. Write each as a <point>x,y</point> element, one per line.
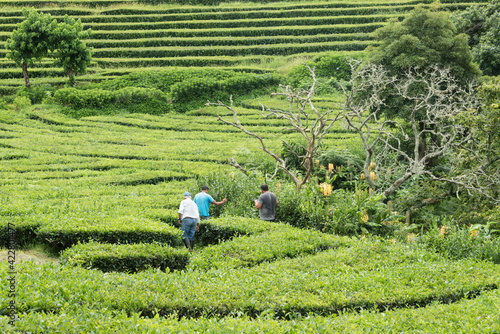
<point>104,191</point>
<point>127,36</point>
<point>101,193</point>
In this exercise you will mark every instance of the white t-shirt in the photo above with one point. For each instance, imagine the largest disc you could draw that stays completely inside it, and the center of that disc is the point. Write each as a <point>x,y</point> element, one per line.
<point>189,209</point>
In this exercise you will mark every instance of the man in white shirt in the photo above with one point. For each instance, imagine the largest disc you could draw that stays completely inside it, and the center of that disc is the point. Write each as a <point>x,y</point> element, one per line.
<point>189,218</point>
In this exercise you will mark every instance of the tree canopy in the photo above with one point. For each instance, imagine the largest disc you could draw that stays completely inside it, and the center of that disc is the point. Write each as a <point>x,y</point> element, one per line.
<point>70,52</point>
<point>482,25</point>
<point>424,38</point>
<point>39,35</point>
<point>31,41</point>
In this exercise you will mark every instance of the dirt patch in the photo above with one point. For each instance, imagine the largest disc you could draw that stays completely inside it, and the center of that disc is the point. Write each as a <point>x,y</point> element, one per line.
<point>28,255</point>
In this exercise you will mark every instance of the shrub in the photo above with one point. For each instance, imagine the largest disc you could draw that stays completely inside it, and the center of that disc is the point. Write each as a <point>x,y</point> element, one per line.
<point>36,94</point>
<point>125,258</point>
<point>143,100</point>
<point>124,230</point>
<point>239,190</point>
<point>327,66</point>
<point>213,231</point>
<point>460,243</point>
<point>24,231</point>
<point>265,246</point>
<point>21,102</point>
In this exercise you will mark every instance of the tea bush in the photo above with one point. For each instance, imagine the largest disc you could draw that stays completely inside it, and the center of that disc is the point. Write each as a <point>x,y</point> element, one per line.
<point>143,100</point>
<point>266,246</point>
<point>129,258</point>
<point>369,275</point>
<point>460,243</point>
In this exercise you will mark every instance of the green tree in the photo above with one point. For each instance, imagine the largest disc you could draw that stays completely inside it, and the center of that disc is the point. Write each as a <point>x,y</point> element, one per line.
<point>70,51</point>
<point>424,39</point>
<point>31,41</point>
<point>482,25</point>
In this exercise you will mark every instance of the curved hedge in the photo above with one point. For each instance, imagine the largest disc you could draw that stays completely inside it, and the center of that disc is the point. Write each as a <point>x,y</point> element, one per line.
<point>135,99</point>
<point>129,258</point>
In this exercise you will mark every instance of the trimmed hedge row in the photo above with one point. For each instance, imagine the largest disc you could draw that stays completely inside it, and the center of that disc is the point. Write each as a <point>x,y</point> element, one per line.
<point>164,79</point>
<point>135,99</point>
<point>230,41</point>
<point>117,230</point>
<point>247,23</point>
<point>225,15</point>
<point>267,246</point>
<point>19,230</point>
<point>99,3</point>
<point>129,258</point>
<point>270,50</point>
<point>368,275</point>
<point>215,230</point>
<point>175,61</point>
<point>13,72</point>
<point>475,316</point>
<point>187,94</point>
<point>237,32</point>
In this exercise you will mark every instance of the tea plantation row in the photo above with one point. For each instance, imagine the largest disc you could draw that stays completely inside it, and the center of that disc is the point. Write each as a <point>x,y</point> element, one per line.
<point>205,36</point>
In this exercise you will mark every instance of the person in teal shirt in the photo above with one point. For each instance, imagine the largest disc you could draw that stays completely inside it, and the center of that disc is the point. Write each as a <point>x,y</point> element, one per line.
<point>203,200</point>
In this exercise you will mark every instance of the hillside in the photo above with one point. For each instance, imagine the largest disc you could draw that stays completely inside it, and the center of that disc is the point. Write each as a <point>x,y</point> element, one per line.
<point>90,186</point>
<point>127,36</point>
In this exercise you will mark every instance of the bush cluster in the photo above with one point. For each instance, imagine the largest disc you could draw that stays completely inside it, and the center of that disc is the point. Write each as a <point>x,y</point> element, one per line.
<point>368,275</point>
<point>134,99</point>
<point>119,230</point>
<point>462,243</point>
<point>129,258</point>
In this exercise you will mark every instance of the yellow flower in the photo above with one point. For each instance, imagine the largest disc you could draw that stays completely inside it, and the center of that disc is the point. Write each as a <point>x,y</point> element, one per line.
<point>317,162</point>
<point>365,217</point>
<point>362,176</point>
<point>330,167</point>
<point>278,187</point>
<point>322,167</point>
<point>372,165</point>
<point>373,176</point>
<point>444,230</point>
<point>326,189</point>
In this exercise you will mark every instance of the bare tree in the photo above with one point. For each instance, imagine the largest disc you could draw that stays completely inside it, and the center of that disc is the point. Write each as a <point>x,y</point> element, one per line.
<point>303,118</point>
<point>431,129</point>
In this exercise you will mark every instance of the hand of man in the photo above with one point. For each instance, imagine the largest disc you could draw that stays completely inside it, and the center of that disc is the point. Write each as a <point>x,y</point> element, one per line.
<point>224,200</point>
<point>197,228</point>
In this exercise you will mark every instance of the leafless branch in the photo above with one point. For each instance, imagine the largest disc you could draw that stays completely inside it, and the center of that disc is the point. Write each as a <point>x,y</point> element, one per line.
<point>303,117</point>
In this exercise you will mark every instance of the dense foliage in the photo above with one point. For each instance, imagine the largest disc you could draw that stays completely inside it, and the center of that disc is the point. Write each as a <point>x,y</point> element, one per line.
<point>481,24</point>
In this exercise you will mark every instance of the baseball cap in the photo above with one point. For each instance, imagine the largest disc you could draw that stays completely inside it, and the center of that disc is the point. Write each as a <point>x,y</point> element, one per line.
<point>187,194</point>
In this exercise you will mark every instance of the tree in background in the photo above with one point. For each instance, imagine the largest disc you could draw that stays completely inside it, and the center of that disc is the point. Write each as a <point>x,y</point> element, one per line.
<point>482,25</point>
<point>467,140</point>
<point>31,41</point>
<point>38,35</point>
<point>424,39</point>
<point>70,52</point>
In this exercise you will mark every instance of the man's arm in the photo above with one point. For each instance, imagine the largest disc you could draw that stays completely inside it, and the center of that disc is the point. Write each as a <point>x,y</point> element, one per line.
<point>257,204</point>
<point>219,203</point>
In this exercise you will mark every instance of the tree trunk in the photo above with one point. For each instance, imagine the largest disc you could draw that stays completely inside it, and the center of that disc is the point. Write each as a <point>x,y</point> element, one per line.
<point>423,142</point>
<point>25,74</point>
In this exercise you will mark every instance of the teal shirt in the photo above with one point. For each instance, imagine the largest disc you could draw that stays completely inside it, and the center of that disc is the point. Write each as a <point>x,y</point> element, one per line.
<point>203,201</point>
